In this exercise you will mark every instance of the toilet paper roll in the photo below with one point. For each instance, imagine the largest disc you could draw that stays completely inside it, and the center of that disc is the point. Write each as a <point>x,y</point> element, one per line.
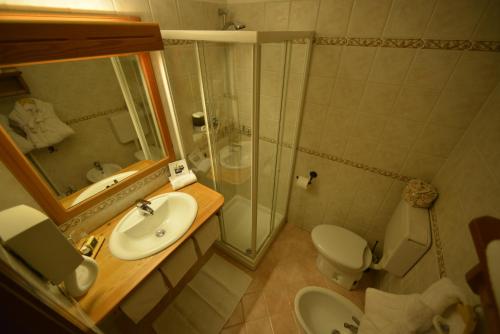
<point>302,182</point>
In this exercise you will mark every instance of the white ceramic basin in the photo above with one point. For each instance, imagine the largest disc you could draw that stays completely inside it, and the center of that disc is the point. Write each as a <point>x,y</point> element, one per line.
<point>137,235</point>
<point>95,175</point>
<point>321,311</point>
<point>236,156</point>
<point>101,185</point>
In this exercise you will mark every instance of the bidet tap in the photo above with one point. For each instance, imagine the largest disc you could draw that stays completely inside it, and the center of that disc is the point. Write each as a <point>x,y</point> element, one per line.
<point>144,207</point>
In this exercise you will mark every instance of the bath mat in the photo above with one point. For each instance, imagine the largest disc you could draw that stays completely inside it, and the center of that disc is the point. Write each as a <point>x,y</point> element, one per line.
<point>207,302</point>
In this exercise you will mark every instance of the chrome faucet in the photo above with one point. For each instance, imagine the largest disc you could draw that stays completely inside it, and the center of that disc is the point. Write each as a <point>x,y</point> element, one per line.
<point>98,166</point>
<point>144,207</point>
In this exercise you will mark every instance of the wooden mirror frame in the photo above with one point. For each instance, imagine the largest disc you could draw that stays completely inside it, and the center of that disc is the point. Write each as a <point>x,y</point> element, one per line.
<point>33,38</point>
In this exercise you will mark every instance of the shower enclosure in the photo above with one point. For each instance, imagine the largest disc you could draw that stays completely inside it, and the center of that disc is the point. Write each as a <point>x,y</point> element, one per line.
<point>237,97</point>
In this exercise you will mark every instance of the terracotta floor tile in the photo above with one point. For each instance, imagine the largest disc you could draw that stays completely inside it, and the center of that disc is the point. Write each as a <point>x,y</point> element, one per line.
<point>283,323</point>
<point>238,329</point>
<point>254,306</point>
<point>260,326</point>
<point>278,302</point>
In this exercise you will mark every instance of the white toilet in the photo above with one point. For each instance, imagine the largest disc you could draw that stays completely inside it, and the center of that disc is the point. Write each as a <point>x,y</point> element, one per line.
<point>344,255</point>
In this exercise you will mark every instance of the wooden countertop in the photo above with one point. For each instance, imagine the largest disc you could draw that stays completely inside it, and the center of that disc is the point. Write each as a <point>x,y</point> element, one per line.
<point>118,277</point>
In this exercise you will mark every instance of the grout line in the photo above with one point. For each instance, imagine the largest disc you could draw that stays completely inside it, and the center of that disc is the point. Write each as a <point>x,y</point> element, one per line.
<point>479,20</point>
<point>431,16</point>
<point>389,16</point>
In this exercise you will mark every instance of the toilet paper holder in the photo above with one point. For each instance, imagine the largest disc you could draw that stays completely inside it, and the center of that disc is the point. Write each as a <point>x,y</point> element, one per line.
<point>312,175</point>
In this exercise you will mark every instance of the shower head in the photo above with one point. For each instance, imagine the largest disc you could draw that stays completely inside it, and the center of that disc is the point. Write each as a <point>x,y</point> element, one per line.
<point>229,25</point>
<point>233,26</point>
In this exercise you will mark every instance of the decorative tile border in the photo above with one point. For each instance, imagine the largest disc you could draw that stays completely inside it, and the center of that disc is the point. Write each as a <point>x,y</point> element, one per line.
<point>437,242</point>
<point>108,202</point>
<point>441,44</point>
<point>95,115</point>
<point>245,130</point>
<point>401,43</point>
<point>172,42</point>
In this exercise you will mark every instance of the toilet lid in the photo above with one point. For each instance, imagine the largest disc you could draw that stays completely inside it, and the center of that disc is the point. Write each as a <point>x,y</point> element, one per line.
<point>340,245</point>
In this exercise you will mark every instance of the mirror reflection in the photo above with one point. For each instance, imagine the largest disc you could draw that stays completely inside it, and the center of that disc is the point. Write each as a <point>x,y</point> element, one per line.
<point>83,125</point>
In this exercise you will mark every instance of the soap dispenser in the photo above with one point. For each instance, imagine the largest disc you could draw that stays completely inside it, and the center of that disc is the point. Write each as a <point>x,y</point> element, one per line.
<point>33,237</point>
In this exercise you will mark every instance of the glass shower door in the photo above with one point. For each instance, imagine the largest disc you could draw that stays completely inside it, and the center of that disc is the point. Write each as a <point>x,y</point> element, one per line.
<point>226,77</point>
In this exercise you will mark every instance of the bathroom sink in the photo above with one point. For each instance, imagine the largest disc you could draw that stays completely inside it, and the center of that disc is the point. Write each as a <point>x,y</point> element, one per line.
<point>101,185</point>
<point>236,156</point>
<point>138,235</point>
<point>95,175</point>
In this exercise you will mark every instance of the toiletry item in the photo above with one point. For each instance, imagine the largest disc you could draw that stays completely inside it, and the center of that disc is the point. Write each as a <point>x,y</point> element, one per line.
<point>89,245</point>
<point>181,181</point>
<point>198,120</point>
<point>36,239</point>
<point>81,279</point>
<point>178,168</point>
<point>302,182</point>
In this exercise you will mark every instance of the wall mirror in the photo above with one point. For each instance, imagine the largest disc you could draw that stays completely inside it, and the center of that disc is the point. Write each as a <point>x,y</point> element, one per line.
<point>85,125</point>
<point>81,128</point>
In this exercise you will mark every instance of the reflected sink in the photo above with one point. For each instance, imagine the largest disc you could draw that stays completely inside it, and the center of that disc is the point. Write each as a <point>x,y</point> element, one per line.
<point>95,175</point>
<point>101,185</point>
<point>237,155</point>
<point>137,235</point>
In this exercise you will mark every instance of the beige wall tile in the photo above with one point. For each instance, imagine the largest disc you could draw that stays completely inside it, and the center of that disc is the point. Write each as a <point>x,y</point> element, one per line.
<point>250,14</point>
<point>476,72</point>
<point>325,60</point>
<point>401,133</point>
<point>391,65</point>
<point>415,103</point>
<point>165,13</point>
<point>432,68</point>
<point>369,126</point>
<point>319,90</point>
<point>408,18</point>
<point>356,62</point>
<point>489,24</point>
<point>389,157</point>
<point>368,18</point>
<point>133,7</point>
<point>457,109</point>
<point>422,166</point>
<point>455,19</point>
<point>303,14</point>
<point>277,14</point>
<point>347,93</point>
<point>333,17</point>
<point>379,98</point>
<point>438,140</point>
<point>360,150</point>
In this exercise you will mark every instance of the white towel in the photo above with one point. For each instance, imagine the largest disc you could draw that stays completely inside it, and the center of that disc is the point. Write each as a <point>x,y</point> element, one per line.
<point>388,313</point>
<point>22,143</point>
<point>40,122</point>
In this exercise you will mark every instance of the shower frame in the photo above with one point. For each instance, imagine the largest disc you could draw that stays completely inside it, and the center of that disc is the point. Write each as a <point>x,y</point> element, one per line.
<point>256,38</point>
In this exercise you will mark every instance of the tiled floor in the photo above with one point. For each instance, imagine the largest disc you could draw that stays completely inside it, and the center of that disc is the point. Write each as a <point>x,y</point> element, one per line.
<point>289,265</point>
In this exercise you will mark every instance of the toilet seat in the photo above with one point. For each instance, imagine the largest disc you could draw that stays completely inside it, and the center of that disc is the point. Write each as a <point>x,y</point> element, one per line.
<point>342,246</point>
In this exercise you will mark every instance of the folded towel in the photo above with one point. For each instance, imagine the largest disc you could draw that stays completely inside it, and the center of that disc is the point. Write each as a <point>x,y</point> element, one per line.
<point>21,142</point>
<point>40,122</point>
<point>389,313</point>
